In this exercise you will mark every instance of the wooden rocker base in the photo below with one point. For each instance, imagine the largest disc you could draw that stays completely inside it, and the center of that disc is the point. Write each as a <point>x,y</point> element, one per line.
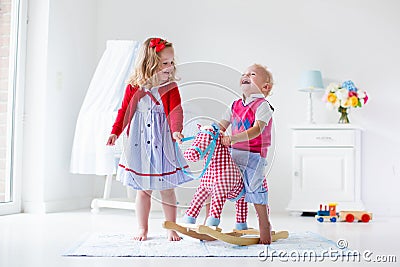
<point>187,229</point>
<point>207,233</point>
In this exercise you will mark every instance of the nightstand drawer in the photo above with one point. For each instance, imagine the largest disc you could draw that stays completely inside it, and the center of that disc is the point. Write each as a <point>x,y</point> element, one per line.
<point>326,138</point>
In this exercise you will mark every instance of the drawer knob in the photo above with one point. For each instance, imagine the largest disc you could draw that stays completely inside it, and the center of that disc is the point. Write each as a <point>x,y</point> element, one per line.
<point>328,138</point>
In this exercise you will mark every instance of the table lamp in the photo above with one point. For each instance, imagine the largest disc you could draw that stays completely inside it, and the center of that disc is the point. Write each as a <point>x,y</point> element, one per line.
<point>311,82</point>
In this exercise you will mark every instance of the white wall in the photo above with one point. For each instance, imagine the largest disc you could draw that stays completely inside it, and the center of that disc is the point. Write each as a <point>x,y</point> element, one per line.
<point>61,58</point>
<point>34,105</point>
<point>345,39</point>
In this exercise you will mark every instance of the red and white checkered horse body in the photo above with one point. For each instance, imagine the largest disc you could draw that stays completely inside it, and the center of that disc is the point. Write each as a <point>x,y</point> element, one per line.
<point>222,180</point>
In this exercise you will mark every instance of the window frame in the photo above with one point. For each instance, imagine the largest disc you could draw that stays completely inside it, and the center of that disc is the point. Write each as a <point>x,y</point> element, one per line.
<point>16,84</point>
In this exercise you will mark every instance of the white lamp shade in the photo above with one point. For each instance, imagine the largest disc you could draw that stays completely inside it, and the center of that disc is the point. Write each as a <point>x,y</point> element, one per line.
<point>311,81</point>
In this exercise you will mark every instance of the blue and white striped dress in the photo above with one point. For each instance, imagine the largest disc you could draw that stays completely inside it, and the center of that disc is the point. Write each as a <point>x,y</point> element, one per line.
<point>149,160</point>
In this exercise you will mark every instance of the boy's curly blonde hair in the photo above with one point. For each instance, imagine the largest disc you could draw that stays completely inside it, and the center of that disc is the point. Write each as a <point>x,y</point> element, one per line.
<point>267,73</point>
<point>147,65</point>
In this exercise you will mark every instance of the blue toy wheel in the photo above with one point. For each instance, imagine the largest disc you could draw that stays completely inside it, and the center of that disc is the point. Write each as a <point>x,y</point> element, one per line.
<point>333,219</point>
<point>320,219</point>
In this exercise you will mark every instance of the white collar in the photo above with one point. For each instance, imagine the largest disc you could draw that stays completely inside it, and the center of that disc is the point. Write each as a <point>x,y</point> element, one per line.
<point>251,98</point>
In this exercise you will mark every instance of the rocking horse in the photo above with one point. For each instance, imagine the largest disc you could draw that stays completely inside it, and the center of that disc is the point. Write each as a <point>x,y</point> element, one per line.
<point>221,179</point>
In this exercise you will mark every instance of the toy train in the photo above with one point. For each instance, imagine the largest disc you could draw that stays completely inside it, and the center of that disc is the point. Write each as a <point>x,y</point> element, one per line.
<point>330,214</point>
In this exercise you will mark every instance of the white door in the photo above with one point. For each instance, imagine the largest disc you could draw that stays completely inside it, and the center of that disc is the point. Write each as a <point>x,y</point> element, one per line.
<point>323,175</point>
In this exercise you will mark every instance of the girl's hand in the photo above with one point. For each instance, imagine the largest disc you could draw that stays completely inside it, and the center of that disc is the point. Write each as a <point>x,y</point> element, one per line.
<point>111,140</point>
<point>226,140</point>
<point>178,137</point>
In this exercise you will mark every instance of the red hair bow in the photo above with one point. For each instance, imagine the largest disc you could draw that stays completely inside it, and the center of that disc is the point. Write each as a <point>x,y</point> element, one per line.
<point>158,43</point>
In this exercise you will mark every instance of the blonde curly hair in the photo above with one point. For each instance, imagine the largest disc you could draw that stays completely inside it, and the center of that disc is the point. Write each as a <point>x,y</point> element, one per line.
<point>147,65</point>
<point>267,73</point>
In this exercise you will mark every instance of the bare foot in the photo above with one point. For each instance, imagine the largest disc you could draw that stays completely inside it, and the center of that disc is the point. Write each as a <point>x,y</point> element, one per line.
<point>173,236</point>
<point>265,235</point>
<point>141,235</point>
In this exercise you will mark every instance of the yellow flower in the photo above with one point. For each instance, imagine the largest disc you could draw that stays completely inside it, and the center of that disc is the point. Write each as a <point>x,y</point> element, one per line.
<point>332,98</point>
<point>353,101</point>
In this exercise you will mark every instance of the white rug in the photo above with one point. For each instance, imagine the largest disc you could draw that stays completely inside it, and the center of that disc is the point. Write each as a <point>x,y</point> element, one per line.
<point>122,245</point>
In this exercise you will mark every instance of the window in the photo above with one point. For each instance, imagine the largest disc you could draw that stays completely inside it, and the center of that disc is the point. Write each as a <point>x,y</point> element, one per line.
<point>10,80</point>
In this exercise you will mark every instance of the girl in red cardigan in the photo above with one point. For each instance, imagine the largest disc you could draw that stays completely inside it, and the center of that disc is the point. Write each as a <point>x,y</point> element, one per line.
<point>152,114</point>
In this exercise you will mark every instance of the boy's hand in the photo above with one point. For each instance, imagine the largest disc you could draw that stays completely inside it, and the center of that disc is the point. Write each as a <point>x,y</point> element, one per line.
<point>111,140</point>
<point>226,140</point>
<point>178,137</point>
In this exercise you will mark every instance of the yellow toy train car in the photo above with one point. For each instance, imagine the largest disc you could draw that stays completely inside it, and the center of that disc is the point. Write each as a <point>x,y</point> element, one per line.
<point>330,214</point>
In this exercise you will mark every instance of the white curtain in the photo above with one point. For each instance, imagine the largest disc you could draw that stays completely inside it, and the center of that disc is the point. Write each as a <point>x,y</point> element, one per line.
<point>90,155</point>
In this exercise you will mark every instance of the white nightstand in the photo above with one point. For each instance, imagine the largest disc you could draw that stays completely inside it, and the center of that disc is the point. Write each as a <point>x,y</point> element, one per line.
<point>326,167</point>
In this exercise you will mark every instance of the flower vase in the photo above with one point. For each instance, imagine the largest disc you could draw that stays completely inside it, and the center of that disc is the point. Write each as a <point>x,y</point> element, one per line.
<point>343,115</point>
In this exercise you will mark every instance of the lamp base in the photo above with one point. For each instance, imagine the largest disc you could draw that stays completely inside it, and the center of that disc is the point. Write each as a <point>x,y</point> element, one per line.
<point>310,115</point>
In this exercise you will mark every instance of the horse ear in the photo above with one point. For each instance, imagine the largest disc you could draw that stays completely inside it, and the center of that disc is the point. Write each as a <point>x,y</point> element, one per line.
<point>215,126</point>
<point>198,126</point>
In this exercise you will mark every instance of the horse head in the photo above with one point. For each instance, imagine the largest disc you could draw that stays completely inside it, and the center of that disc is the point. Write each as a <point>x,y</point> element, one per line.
<point>204,142</point>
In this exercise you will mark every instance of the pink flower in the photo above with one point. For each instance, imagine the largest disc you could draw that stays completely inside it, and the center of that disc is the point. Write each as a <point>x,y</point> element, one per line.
<point>352,93</point>
<point>365,98</point>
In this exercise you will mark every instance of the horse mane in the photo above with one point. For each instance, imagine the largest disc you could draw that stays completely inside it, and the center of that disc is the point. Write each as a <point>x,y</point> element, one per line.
<point>208,127</point>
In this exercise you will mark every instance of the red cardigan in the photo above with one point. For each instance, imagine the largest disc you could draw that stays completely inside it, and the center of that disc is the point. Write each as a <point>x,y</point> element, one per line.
<point>170,98</point>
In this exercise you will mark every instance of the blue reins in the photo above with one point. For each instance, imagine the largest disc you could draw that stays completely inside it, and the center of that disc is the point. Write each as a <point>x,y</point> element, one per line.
<point>210,149</point>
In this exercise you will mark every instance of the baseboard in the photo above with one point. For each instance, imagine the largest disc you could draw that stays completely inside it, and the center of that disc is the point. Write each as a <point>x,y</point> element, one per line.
<point>56,205</point>
<point>383,209</point>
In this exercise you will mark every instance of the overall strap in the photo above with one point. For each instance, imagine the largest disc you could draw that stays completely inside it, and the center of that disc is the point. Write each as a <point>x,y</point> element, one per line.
<point>152,97</point>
